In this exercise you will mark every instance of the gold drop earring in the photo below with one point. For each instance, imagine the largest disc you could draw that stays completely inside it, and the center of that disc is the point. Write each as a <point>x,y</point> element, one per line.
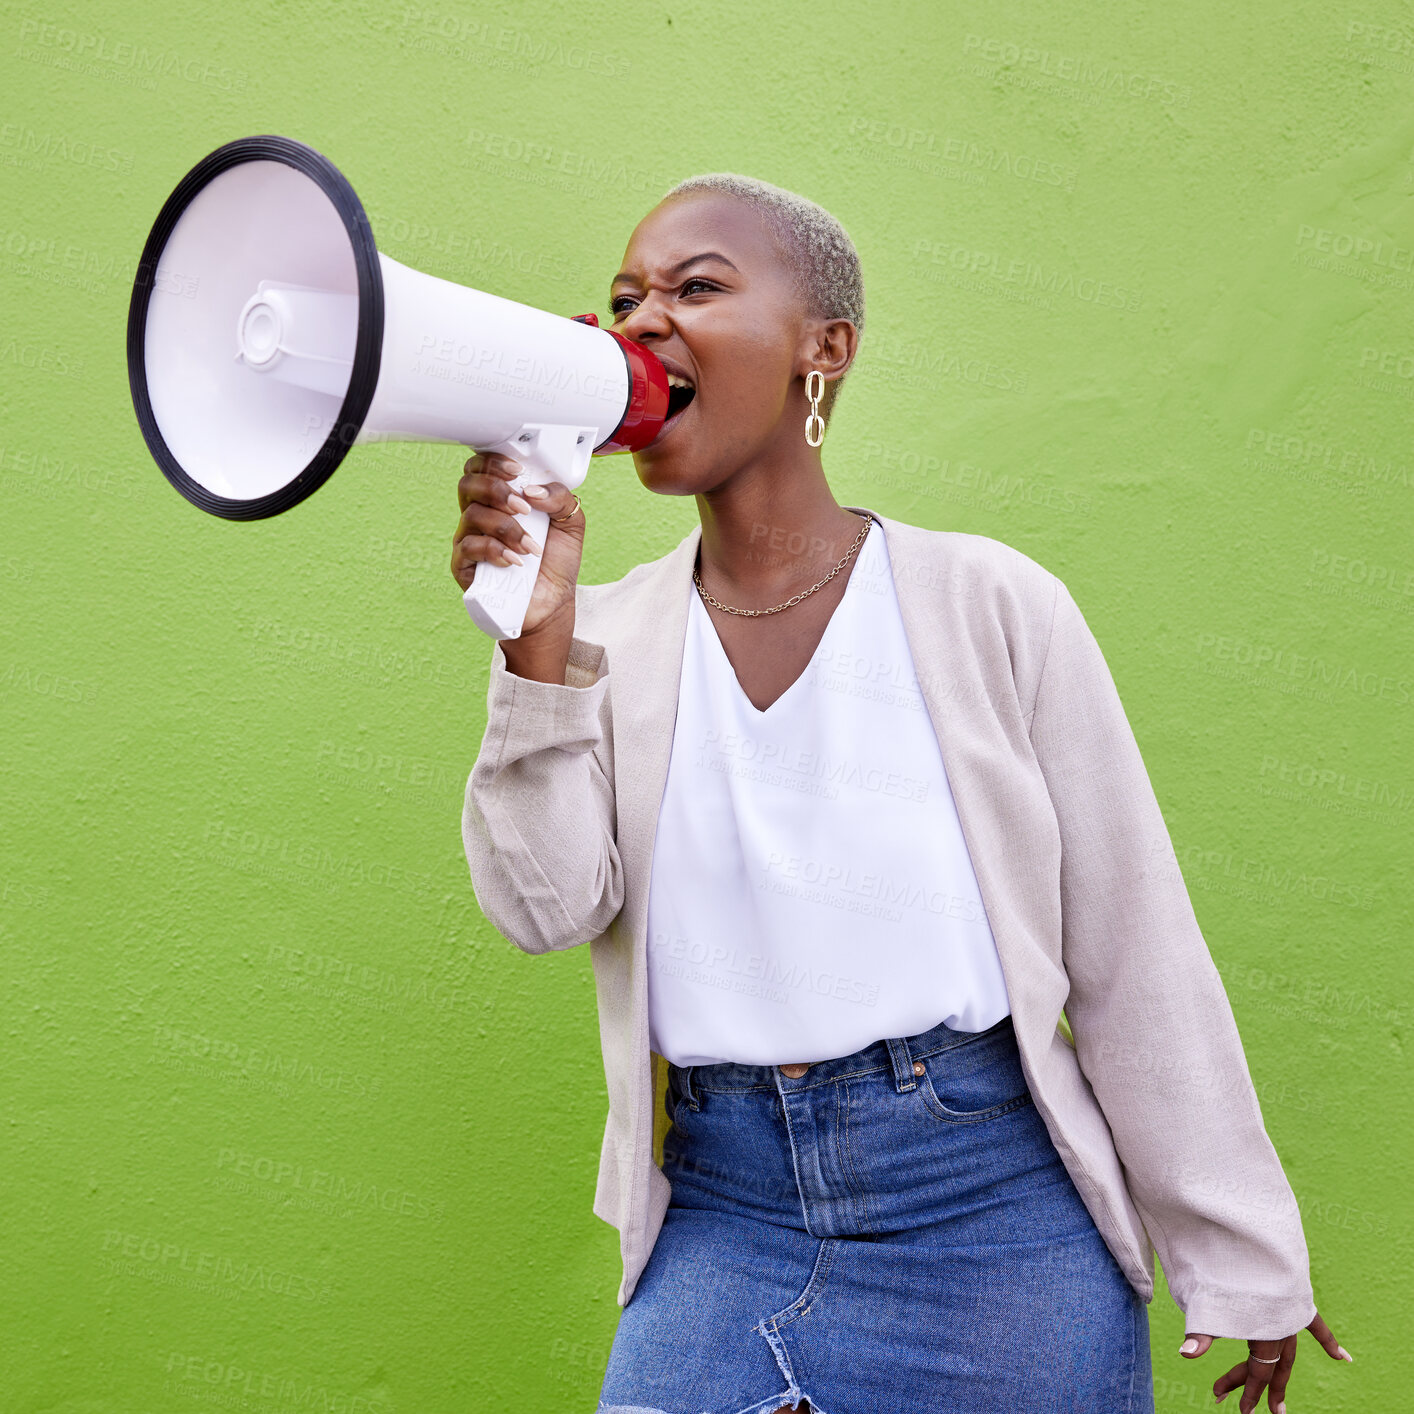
<point>814,425</point>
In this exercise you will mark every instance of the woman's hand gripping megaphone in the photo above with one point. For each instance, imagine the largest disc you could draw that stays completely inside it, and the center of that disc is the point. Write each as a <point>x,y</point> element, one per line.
<point>497,527</point>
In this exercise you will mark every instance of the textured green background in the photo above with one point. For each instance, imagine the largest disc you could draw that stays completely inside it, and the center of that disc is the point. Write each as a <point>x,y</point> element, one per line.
<point>284,1120</point>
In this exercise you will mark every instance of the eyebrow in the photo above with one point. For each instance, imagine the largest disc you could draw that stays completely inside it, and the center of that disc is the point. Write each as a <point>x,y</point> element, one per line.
<point>681,265</point>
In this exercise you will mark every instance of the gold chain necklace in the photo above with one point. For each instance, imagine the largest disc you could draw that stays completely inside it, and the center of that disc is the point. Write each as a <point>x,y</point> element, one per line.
<point>795,598</point>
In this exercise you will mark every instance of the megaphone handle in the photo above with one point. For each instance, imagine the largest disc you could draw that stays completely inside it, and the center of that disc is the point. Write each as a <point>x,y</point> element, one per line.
<point>499,595</point>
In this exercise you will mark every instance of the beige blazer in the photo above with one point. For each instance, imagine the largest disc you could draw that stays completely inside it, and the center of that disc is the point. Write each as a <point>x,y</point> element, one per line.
<point>1151,1105</point>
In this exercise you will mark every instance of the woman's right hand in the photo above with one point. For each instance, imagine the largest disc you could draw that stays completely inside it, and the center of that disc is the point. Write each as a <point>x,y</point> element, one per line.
<point>488,530</point>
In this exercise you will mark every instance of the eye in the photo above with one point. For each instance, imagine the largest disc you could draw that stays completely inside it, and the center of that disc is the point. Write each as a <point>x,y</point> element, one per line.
<point>618,310</point>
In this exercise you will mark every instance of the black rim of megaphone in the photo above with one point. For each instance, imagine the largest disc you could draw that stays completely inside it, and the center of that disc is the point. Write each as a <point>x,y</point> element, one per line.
<point>367,347</point>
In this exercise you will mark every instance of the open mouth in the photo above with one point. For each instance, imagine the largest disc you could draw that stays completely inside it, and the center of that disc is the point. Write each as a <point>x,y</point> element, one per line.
<point>680,394</point>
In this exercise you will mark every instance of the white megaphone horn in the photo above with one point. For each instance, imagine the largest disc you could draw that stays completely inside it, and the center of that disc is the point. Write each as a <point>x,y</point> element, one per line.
<point>267,335</point>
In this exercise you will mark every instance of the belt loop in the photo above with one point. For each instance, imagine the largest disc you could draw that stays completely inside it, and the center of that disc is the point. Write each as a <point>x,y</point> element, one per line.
<point>904,1078</point>
<point>689,1090</point>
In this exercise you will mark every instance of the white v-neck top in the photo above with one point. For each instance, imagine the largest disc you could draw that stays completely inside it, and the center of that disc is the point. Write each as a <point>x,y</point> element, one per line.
<point>811,888</point>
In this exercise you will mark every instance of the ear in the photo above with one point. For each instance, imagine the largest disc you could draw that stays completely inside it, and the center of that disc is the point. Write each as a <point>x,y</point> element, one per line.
<point>829,345</point>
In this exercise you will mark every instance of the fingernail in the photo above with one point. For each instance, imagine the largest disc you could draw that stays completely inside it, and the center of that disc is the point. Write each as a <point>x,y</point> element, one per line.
<point>514,558</point>
<point>1188,1346</point>
<point>1345,1354</point>
<point>537,491</point>
<point>1222,1397</point>
<point>534,544</point>
<point>518,504</point>
<point>1281,1407</point>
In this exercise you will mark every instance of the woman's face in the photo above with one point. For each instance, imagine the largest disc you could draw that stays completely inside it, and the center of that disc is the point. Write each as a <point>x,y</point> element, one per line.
<point>706,287</point>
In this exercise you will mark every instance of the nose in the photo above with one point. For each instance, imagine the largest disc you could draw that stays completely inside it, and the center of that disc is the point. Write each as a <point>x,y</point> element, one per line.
<point>646,320</point>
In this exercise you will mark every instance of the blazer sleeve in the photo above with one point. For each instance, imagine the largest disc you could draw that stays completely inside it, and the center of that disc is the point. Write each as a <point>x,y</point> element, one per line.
<point>538,819</point>
<point>1154,1031</point>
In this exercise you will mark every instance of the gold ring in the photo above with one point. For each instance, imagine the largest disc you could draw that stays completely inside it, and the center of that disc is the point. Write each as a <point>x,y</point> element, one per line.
<point>570,516</point>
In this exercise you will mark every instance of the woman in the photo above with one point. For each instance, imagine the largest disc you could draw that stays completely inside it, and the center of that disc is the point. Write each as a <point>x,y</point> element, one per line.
<point>891,1182</point>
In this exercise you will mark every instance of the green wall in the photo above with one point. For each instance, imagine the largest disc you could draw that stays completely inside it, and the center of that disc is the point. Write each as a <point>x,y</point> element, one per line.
<point>285,1121</point>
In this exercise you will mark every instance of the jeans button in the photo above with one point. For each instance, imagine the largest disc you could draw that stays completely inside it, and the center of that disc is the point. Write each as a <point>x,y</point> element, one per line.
<point>918,1067</point>
<point>795,1070</point>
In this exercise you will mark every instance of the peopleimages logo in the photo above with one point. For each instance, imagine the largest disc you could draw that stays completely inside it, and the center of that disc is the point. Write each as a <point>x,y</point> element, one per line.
<point>885,888</point>
<point>226,1382</point>
<point>80,49</point>
<point>495,362</point>
<point>729,968</point>
<point>464,37</point>
<point>596,171</point>
<point>1377,252</point>
<point>359,1193</point>
<point>29,145</point>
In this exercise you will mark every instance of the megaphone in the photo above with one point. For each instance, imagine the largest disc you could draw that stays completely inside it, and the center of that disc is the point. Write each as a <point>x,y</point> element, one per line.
<point>267,335</point>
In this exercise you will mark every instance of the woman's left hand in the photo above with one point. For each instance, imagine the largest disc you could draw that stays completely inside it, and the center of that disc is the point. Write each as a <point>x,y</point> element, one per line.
<point>1253,1376</point>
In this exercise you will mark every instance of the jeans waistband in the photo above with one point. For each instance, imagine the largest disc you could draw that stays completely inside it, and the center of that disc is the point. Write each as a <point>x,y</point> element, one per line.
<point>896,1054</point>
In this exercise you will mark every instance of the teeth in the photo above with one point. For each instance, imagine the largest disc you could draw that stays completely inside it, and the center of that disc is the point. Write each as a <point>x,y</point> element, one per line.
<point>675,382</point>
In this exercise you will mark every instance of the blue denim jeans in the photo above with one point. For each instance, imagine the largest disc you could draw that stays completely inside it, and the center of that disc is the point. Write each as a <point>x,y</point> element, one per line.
<point>891,1232</point>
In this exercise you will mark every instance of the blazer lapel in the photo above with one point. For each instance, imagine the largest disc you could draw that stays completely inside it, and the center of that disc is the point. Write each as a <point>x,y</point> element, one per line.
<point>964,669</point>
<point>646,667</point>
